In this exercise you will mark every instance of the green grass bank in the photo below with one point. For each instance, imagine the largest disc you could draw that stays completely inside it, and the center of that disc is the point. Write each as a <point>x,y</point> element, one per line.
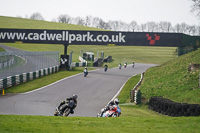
<point>173,80</point>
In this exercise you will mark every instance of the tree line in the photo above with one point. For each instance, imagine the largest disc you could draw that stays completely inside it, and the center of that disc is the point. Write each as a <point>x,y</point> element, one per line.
<point>133,26</point>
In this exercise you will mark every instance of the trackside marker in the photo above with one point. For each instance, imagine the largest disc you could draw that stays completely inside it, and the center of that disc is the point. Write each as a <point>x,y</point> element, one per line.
<point>3,92</point>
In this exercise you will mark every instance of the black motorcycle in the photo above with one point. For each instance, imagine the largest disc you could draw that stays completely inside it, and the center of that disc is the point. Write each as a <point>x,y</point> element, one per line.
<point>85,73</point>
<point>65,109</point>
<point>105,67</point>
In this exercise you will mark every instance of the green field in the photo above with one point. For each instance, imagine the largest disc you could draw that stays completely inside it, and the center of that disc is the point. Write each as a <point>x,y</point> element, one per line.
<point>171,80</point>
<point>21,23</point>
<point>120,54</point>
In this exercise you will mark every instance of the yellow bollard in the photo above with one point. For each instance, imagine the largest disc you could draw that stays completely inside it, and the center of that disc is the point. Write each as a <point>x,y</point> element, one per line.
<point>3,92</point>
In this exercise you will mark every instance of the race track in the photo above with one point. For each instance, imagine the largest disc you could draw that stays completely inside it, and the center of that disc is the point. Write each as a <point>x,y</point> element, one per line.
<point>94,92</point>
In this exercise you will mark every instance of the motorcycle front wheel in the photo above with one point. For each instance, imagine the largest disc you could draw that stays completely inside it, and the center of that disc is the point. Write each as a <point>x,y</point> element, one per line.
<point>66,112</point>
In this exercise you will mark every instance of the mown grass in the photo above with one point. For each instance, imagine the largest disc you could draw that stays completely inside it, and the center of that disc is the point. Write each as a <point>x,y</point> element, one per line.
<point>21,23</point>
<point>173,80</point>
<point>133,119</point>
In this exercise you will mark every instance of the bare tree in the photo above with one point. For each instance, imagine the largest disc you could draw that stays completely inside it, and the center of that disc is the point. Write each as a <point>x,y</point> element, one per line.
<point>88,20</point>
<point>143,27</point>
<point>64,19</point>
<point>114,25</point>
<point>94,21</point>
<point>97,22</point>
<point>196,7</point>
<point>102,24</point>
<point>165,26</point>
<point>121,26</point>
<point>198,30</point>
<point>152,26</point>
<point>79,21</point>
<point>133,25</point>
<point>192,30</point>
<point>177,28</point>
<point>184,28</point>
<point>36,16</point>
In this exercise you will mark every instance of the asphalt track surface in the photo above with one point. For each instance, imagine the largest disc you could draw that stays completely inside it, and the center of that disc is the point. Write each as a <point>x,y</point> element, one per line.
<point>94,92</point>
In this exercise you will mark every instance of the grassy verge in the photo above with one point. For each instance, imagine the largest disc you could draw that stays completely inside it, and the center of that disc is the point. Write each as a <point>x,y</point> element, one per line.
<point>173,80</point>
<point>133,119</point>
<point>46,80</point>
<point>1,50</point>
<point>124,95</point>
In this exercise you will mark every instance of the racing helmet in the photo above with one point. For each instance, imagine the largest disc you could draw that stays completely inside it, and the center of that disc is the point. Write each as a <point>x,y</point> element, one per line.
<point>74,96</point>
<point>116,101</point>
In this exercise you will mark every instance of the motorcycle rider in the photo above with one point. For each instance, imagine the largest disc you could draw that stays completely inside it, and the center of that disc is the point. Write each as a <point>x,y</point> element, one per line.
<point>125,64</point>
<point>112,103</point>
<point>68,100</point>
<point>120,65</point>
<point>133,64</point>
<point>85,71</point>
<point>105,67</point>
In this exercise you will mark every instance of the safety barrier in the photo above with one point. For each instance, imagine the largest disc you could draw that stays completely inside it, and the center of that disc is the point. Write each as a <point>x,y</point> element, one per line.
<point>7,63</point>
<point>135,94</point>
<point>170,108</point>
<point>108,59</point>
<point>18,79</point>
<point>79,64</point>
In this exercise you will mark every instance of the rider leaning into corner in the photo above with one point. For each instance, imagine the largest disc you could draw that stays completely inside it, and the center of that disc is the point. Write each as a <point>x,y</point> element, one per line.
<point>114,102</point>
<point>74,99</point>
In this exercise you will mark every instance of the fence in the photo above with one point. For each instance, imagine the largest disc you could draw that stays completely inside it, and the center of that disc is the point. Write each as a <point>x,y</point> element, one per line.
<point>135,94</point>
<point>17,66</point>
<point>24,77</point>
<point>15,62</point>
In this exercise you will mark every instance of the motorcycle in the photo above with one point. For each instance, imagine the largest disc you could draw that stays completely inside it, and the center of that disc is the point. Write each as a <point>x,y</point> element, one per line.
<point>120,66</point>
<point>85,73</point>
<point>114,111</point>
<point>125,65</point>
<point>65,109</point>
<point>105,69</point>
<point>133,65</point>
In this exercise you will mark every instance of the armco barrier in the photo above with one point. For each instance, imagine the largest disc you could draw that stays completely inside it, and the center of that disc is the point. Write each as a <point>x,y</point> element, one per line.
<point>135,93</point>
<point>170,108</point>
<point>18,79</point>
